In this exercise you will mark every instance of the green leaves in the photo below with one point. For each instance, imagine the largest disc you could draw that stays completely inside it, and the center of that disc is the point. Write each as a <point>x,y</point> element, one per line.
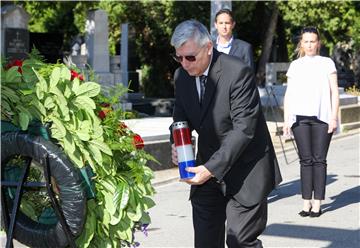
<point>47,93</point>
<point>65,73</point>
<point>90,224</point>
<point>121,196</point>
<point>55,77</point>
<point>101,146</point>
<point>41,86</point>
<point>84,102</point>
<point>23,120</point>
<point>90,89</point>
<point>58,129</point>
<point>12,75</point>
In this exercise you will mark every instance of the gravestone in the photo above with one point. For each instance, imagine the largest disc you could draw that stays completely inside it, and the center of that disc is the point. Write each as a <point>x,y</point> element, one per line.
<point>14,32</point>
<point>130,60</point>
<point>342,56</point>
<point>48,44</point>
<point>273,71</point>
<point>97,36</point>
<point>124,53</point>
<point>96,39</point>
<point>78,54</point>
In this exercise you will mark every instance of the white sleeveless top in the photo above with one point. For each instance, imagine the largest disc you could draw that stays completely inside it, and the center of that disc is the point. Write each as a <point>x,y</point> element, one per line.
<point>309,88</point>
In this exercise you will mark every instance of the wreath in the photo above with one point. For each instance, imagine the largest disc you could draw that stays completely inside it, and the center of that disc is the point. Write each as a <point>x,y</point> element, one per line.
<point>86,125</point>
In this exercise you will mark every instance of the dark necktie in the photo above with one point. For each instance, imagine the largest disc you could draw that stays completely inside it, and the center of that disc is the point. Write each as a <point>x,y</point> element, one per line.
<point>202,87</point>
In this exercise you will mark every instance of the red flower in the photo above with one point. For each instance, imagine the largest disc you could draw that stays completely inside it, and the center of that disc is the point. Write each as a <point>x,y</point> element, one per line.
<point>138,141</point>
<point>102,114</point>
<point>16,62</point>
<point>74,74</point>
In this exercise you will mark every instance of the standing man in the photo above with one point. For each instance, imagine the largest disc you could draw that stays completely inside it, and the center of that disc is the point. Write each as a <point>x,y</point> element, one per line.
<point>236,163</point>
<point>225,42</point>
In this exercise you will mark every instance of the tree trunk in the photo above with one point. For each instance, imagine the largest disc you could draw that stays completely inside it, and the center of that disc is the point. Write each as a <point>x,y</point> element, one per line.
<point>282,55</point>
<point>266,47</point>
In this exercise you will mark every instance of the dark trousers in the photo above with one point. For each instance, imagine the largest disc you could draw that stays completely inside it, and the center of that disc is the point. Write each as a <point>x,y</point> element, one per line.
<point>312,140</point>
<point>210,211</point>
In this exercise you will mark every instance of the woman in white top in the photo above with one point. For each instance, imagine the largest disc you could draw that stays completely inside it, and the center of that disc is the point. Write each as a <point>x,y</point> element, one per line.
<point>310,111</point>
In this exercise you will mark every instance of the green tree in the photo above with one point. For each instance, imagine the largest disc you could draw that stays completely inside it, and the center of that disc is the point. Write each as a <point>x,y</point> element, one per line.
<point>57,16</point>
<point>338,21</point>
<point>152,23</point>
<point>152,36</point>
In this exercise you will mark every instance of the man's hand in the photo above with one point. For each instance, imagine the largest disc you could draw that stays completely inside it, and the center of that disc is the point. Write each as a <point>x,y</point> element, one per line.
<point>201,175</point>
<point>174,156</point>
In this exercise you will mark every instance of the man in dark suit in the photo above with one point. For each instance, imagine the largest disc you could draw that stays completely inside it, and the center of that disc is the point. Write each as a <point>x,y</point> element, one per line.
<point>236,163</point>
<point>225,41</point>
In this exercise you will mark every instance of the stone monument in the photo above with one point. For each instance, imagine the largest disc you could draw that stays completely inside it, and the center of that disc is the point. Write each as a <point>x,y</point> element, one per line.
<point>14,32</point>
<point>98,56</point>
<point>124,53</point>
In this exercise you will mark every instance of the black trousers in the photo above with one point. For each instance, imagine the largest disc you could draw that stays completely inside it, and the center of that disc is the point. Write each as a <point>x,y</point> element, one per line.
<point>312,140</point>
<point>211,209</point>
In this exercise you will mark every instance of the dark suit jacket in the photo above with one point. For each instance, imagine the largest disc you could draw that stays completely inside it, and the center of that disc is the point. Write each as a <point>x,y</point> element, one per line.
<point>242,50</point>
<point>234,143</point>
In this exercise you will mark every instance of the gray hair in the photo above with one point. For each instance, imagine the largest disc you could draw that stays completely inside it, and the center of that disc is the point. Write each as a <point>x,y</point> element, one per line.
<point>190,30</point>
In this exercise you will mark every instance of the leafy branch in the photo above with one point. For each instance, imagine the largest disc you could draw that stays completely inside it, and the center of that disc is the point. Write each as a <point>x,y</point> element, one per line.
<point>60,99</point>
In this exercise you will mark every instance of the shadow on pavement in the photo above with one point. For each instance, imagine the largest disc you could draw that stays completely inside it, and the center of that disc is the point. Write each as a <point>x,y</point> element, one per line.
<point>336,236</point>
<point>292,188</point>
<point>343,199</point>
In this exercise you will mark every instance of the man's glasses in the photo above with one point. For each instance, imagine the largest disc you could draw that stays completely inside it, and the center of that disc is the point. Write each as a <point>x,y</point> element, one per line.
<point>179,59</point>
<point>310,30</point>
<point>190,58</point>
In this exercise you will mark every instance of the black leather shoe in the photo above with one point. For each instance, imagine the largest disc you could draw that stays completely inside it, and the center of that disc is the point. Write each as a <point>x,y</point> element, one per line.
<point>315,214</point>
<point>305,213</point>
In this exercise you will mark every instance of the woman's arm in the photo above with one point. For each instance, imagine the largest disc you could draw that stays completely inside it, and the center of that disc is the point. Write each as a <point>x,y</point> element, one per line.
<point>286,127</point>
<point>334,91</point>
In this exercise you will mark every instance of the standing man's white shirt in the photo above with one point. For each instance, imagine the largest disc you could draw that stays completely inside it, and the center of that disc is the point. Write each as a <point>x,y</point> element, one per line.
<point>224,48</point>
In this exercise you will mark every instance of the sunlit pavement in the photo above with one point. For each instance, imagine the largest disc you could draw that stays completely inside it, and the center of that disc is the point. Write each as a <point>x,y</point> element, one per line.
<point>338,226</point>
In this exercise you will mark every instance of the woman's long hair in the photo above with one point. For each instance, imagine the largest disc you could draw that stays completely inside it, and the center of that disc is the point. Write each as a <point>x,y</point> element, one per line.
<point>299,50</point>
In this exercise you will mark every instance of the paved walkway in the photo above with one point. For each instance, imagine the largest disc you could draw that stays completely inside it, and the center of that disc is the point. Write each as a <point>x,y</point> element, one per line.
<point>282,148</point>
<point>338,227</point>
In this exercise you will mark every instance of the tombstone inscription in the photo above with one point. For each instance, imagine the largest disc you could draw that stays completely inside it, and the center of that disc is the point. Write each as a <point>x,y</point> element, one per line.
<point>16,43</point>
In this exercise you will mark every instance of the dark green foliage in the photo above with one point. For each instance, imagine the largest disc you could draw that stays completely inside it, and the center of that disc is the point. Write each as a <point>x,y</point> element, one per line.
<point>152,23</point>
